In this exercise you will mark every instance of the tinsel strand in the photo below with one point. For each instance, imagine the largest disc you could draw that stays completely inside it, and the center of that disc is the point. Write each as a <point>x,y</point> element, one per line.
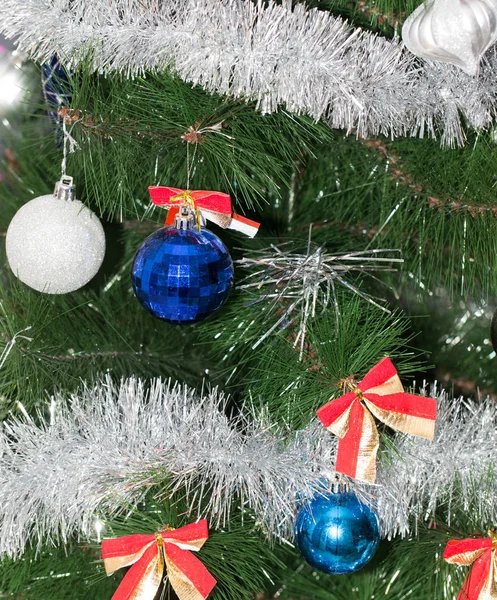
<point>299,285</point>
<point>277,54</point>
<point>86,459</point>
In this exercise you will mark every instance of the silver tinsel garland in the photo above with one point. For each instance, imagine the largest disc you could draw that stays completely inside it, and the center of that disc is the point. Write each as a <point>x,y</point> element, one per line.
<point>456,471</point>
<point>274,53</point>
<point>104,449</point>
<point>69,471</point>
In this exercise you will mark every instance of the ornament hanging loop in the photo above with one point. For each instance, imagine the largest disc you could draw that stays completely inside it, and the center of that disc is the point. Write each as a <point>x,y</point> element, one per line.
<point>349,384</point>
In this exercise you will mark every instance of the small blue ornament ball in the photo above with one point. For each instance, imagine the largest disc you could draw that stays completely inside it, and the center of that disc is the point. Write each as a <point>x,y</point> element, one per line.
<point>182,276</point>
<point>336,533</point>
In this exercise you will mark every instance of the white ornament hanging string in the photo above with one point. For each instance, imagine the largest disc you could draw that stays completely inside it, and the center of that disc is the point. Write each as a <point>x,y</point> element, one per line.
<point>70,145</point>
<point>190,164</point>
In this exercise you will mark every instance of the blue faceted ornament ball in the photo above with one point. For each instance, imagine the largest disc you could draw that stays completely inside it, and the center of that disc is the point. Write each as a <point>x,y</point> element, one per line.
<point>181,276</point>
<point>336,533</point>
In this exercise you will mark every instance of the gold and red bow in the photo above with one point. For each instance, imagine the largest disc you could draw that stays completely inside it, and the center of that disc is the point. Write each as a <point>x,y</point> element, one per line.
<point>480,584</point>
<point>152,556</point>
<point>213,206</point>
<point>350,417</point>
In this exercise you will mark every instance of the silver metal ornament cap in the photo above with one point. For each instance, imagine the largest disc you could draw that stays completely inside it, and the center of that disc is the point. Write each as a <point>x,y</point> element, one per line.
<point>65,189</point>
<point>338,485</point>
<point>185,219</point>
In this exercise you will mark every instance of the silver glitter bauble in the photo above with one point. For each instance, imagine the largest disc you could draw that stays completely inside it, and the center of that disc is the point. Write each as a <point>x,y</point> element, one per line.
<point>54,243</point>
<point>458,32</point>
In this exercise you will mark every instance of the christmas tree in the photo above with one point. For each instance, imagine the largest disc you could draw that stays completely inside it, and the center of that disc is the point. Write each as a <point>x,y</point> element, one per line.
<point>286,390</point>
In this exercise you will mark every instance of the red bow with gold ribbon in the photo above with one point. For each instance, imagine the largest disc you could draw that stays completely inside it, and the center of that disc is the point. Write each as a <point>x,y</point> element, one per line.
<point>349,417</point>
<point>152,556</point>
<point>213,206</point>
<point>481,581</point>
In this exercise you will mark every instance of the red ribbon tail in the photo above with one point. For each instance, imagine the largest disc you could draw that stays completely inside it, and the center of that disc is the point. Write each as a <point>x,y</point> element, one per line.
<point>244,225</point>
<point>356,455</point>
<point>477,578</point>
<point>130,584</point>
<point>194,574</point>
<point>171,215</point>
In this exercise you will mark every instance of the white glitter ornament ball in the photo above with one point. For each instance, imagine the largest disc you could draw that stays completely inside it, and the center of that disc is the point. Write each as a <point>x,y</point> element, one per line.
<point>54,243</point>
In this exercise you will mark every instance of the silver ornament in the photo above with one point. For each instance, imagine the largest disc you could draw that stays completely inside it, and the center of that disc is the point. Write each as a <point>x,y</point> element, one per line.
<point>458,32</point>
<point>54,243</point>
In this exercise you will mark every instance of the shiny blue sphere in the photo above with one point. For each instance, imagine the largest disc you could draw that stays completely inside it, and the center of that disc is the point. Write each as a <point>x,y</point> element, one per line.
<point>182,277</point>
<point>336,533</point>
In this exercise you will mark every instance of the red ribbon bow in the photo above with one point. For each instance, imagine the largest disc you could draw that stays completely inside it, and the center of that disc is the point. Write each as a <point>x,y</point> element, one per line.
<point>349,417</point>
<point>481,581</point>
<point>214,206</point>
<point>153,555</point>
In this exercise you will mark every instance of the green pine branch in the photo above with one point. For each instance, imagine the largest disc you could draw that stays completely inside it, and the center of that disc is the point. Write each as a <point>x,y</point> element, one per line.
<point>336,349</point>
<point>159,130</point>
<point>82,336</point>
<point>240,558</point>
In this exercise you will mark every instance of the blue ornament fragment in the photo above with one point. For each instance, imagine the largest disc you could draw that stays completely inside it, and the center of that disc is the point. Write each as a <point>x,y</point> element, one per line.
<point>55,81</point>
<point>55,78</point>
<point>336,533</point>
<point>181,276</point>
